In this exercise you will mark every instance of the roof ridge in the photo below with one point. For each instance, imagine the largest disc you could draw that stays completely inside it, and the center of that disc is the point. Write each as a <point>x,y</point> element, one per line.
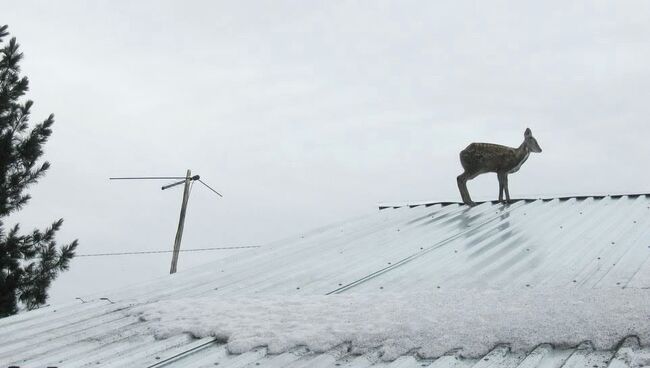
<point>384,205</point>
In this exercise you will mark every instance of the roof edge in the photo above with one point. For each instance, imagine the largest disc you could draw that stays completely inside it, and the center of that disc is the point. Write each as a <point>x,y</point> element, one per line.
<point>383,206</point>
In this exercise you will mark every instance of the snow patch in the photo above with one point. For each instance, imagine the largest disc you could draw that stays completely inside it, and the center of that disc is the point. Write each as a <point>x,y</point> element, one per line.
<point>431,323</point>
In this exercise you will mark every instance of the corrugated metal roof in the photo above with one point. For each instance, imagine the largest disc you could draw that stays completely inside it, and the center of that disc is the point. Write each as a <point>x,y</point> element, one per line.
<point>587,242</point>
<point>628,354</point>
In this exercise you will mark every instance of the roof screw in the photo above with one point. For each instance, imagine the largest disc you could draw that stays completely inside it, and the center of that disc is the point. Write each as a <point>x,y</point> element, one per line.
<point>298,288</point>
<point>574,281</point>
<point>438,286</point>
<point>613,243</point>
<point>340,284</point>
<point>561,227</point>
<point>423,248</point>
<point>527,285</point>
<point>381,287</point>
<point>598,258</point>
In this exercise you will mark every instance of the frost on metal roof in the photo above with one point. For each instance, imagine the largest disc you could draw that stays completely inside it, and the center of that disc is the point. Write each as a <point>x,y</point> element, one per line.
<point>586,242</point>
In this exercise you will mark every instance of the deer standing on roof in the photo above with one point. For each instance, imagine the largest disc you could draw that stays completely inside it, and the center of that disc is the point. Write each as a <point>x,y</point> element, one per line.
<point>481,158</point>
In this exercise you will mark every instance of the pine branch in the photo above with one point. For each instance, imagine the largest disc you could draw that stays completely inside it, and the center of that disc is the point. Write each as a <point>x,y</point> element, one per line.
<point>3,32</point>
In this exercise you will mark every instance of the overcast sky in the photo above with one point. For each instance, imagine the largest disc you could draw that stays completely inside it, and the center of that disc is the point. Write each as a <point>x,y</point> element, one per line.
<point>304,113</point>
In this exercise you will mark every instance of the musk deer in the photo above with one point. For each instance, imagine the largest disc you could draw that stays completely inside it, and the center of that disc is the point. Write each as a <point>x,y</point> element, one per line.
<point>481,158</point>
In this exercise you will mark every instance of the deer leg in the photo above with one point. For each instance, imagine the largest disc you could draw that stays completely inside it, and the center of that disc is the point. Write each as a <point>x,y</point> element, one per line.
<point>501,187</point>
<point>505,186</point>
<point>462,187</point>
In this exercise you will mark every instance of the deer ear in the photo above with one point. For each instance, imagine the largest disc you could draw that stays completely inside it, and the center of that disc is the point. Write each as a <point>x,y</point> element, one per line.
<point>528,133</point>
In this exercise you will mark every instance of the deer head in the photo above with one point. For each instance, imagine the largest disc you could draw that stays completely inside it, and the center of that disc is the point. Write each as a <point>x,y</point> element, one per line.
<point>531,142</point>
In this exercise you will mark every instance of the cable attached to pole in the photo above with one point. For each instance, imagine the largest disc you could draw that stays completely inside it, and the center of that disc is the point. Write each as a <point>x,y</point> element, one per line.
<point>148,178</point>
<point>166,251</point>
<point>209,187</point>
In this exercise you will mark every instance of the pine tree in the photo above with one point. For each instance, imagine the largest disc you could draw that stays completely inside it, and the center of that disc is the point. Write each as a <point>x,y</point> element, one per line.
<point>28,263</point>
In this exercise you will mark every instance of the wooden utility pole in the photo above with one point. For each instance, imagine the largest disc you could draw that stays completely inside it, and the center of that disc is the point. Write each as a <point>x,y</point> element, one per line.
<point>181,222</point>
<point>186,195</point>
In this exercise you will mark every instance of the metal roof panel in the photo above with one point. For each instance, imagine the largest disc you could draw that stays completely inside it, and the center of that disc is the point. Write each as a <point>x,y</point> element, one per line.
<point>576,242</point>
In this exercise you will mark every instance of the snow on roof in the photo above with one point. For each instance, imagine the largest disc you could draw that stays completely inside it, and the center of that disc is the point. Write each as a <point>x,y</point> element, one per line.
<point>562,244</point>
<point>433,323</point>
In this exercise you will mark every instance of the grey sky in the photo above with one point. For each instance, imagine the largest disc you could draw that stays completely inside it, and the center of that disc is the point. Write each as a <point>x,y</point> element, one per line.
<point>305,113</point>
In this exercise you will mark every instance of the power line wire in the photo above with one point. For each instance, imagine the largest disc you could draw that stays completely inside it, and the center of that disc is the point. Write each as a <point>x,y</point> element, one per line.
<point>165,251</point>
<point>147,178</point>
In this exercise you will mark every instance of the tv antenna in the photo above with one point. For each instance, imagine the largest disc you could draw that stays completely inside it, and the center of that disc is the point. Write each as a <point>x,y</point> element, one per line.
<point>188,180</point>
